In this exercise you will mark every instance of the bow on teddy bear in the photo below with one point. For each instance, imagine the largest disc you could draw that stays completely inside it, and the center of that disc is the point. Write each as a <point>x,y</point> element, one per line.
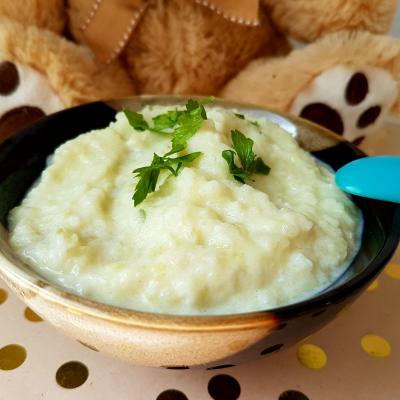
<point>347,78</point>
<point>94,15</point>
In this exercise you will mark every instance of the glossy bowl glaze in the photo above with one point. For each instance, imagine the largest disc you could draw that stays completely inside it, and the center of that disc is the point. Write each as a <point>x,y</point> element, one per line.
<point>181,341</point>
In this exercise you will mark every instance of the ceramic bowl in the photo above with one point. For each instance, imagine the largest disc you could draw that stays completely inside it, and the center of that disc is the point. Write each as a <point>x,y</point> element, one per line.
<point>181,341</point>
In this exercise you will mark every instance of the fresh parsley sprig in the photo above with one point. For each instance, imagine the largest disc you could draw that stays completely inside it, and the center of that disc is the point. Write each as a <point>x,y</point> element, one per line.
<point>170,121</point>
<point>166,122</point>
<point>161,123</point>
<point>148,176</point>
<point>136,120</point>
<point>183,125</point>
<point>189,122</point>
<point>243,148</point>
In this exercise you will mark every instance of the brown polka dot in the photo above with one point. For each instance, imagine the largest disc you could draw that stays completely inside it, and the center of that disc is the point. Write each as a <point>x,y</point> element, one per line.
<point>3,296</point>
<point>9,78</point>
<point>88,346</point>
<point>224,387</point>
<point>171,394</point>
<point>357,88</point>
<point>271,349</point>
<point>293,395</point>
<point>222,366</point>
<point>17,119</point>
<point>323,115</point>
<point>31,315</point>
<point>72,374</point>
<point>12,356</point>
<point>369,116</point>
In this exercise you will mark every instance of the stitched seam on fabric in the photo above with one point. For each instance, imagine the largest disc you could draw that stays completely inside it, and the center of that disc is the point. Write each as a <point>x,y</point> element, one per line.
<point>231,18</point>
<point>126,35</point>
<point>91,15</point>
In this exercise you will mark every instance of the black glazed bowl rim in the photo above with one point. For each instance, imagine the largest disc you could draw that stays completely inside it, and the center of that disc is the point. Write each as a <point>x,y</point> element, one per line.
<point>200,322</point>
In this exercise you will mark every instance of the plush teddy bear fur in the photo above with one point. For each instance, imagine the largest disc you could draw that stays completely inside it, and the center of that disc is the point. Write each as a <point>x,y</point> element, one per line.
<point>308,20</point>
<point>182,47</point>
<point>281,84</point>
<point>47,14</point>
<point>49,73</point>
<point>73,72</point>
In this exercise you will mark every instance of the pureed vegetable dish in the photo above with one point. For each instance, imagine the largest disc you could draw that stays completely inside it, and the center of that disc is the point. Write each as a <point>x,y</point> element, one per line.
<point>229,215</point>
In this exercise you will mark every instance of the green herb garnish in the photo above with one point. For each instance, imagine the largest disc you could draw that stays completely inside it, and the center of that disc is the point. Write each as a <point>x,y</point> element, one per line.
<point>136,120</point>
<point>171,120</point>
<point>240,116</point>
<point>167,121</point>
<point>161,123</point>
<point>189,122</point>
<point>148,176</point>
<point>243,148</point>
<point>182,125</point>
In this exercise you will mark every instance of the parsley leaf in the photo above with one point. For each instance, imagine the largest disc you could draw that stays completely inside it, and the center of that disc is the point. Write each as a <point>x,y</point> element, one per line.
<point>162,123</point>
<point>183,125</point>
<point>189,122</point>
<point>261,167</point>
<point>166,121</point>
<point>243,148</point>
<point>148,176</point>
<point>238,173</point>
<point>240,116</point>
<point>136,120</point>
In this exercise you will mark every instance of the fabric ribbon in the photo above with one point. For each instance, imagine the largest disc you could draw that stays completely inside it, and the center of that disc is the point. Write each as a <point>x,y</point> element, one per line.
<point>110,23</point>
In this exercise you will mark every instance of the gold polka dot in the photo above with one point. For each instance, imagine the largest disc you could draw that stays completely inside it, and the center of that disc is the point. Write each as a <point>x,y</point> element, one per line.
<point>3,296</point>
<point>312,356</point>
<point>72,374</point>
<point>12,356</point>
<point>376,346</point>
<point>373,286</point>
<point>31,315</point>
<point>393,270</point>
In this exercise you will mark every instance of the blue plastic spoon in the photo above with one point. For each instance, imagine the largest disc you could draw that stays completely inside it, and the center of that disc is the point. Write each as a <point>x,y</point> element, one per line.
<point>373,177</point>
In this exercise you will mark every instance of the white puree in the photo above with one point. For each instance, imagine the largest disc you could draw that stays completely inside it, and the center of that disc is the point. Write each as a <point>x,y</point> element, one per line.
<point>203,242</point>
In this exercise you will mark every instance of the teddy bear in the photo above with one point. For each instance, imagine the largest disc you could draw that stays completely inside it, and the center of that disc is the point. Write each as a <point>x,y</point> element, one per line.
<point>60,53</point>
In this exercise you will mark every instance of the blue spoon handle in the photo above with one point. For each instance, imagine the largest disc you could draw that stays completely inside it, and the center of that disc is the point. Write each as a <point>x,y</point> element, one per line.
<point>374,177</point>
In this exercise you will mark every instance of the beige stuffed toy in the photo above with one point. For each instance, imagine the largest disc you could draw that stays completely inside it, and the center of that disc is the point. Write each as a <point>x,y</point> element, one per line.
<point>56,53</point>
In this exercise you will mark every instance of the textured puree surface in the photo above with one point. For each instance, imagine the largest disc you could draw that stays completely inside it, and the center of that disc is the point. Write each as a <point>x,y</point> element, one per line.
<point>203,242</point>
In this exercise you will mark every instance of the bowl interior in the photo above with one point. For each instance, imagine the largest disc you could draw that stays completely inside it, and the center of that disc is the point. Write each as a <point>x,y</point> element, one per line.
<point>23,157</point>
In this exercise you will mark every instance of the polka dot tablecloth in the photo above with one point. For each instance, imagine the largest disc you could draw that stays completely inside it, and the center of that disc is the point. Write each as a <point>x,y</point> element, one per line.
<point>357,356</point>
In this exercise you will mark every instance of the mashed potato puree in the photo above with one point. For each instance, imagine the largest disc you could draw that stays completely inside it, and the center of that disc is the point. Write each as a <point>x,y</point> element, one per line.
<point>203,242</point>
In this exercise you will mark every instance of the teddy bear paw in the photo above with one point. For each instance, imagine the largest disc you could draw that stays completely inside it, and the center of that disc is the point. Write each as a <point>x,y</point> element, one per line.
<point>25,96</point>
<point>350,102</point>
